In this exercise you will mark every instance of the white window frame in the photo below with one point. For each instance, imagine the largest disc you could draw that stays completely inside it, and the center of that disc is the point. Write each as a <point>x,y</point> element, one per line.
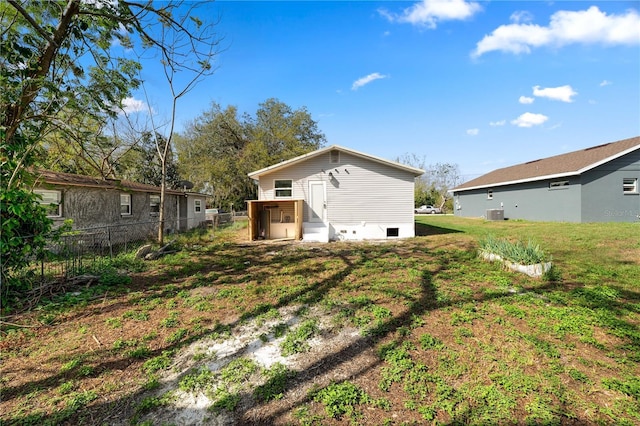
<point>152,204</point>
<point>630,186</point>
<point>276,190</point>
<point>125,201</point>
<point>197,206</point>
<point>47,200</point>
<point>489,194</point>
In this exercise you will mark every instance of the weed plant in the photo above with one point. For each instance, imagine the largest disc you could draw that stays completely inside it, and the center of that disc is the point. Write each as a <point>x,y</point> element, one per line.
<point>341,399</point>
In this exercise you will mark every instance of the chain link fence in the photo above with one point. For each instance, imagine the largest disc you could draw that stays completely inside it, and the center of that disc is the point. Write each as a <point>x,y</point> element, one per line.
<point>78,251</point>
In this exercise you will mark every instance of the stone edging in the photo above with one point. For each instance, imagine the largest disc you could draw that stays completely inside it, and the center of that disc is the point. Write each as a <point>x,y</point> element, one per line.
<point>535,270</point>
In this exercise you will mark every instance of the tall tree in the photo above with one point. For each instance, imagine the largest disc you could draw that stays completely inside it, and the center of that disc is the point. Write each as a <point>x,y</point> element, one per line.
<point>278,133</point>
<point>443,177</point>
<point>180,80</point>
<point>227,148</point>
<point>141,163</point>
<point>209,155</point>
<point>61,55</point>
<point>433,186</point>
<point>87,146</point>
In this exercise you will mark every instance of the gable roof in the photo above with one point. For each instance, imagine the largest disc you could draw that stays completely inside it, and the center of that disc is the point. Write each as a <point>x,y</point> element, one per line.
<point>68,179</point>
<point>256,175</point>
<point>563,165</point>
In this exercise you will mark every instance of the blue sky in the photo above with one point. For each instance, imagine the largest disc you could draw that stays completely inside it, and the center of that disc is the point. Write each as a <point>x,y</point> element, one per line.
<point>481,84</point>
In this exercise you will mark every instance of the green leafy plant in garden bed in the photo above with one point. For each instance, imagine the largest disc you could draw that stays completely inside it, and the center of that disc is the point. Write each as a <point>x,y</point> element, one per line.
<point>528,253</point>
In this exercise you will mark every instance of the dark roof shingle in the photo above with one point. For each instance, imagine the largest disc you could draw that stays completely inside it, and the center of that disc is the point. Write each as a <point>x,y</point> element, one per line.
<point>69,179</point>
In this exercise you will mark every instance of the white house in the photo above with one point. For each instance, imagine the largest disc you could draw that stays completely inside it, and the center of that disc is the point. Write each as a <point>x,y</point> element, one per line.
<point>334,193</point>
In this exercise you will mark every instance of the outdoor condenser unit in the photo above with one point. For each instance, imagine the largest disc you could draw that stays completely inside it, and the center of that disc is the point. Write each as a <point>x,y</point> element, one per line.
<point>495,214</point>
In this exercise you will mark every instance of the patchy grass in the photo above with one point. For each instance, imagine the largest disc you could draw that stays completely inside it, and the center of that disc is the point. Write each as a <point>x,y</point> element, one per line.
<point>440,336</point>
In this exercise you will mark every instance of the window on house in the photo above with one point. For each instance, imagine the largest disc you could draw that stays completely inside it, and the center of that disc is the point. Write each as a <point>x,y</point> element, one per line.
<point>125,204</point>
<point>154,205</point>
<point>393,232</point>
<point>630,185</point>
<point>490,194</point>
<point>52,202</point>
<point>334,157</point>
<point>284,188</point>
<point>557,184</point>
<point>197,206</point>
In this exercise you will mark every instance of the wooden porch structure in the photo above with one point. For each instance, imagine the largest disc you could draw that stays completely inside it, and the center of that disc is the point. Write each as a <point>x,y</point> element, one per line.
<point>275,219</point>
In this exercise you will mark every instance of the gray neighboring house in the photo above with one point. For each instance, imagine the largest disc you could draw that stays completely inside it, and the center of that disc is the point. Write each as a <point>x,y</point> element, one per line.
<point>95,202</point>
<point>596,184</point>
<point>333,193</point>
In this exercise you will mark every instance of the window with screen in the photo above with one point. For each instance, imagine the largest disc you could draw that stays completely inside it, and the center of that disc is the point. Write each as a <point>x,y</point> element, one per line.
<point>154,205</point>
<point>125,204</point>
<point>283,188</point>
<point>51,201</point>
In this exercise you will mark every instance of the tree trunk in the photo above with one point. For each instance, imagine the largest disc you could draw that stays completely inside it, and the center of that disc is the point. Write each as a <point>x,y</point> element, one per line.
<point>163,187</point>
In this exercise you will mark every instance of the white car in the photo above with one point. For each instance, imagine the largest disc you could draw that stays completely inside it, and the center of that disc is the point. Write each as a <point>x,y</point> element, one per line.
<point>210,215</point>
<point>428,210</point>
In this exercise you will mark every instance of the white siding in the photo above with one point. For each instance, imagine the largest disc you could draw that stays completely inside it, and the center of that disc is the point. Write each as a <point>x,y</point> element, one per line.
<point>362,194</point>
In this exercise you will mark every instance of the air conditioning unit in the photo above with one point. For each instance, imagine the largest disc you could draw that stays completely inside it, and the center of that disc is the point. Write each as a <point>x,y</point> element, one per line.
<point>495,214</point>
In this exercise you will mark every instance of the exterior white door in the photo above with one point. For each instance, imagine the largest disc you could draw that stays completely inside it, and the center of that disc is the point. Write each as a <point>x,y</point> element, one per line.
<point>317,201</point>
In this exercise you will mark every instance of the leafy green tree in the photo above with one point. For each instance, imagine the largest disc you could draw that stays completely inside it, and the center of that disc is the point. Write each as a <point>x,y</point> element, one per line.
<point>141,163</point>
<point>210,155</point>
<point>68,58</point>
<point>24,224</point>
<point>88,146</point>
<point>278,133</point>
<point>226,148</point>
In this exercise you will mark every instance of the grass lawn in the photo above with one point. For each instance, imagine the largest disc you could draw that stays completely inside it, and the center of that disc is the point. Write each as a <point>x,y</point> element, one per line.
<point>384,333</point>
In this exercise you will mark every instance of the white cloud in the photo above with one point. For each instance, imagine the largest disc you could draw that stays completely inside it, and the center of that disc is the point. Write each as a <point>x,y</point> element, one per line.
<point>429,12</point>
<point>565,27</point>
<point>473,132</point>
<point>561,93</point>
<point>521,16</point>
<point>529,119</point>
<point>366,80</point>
<point>497,123</point>
<point>605,83</point>
<point>131,105</point>
<point>526,100</point>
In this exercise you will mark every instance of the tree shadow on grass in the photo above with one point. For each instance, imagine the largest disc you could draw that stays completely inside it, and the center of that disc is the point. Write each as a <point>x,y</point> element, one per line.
<point>423,230</point>
<point>332,364</point>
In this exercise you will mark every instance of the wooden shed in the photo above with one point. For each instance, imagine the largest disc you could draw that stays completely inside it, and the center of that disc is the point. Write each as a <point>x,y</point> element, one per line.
<point>275,219</point>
